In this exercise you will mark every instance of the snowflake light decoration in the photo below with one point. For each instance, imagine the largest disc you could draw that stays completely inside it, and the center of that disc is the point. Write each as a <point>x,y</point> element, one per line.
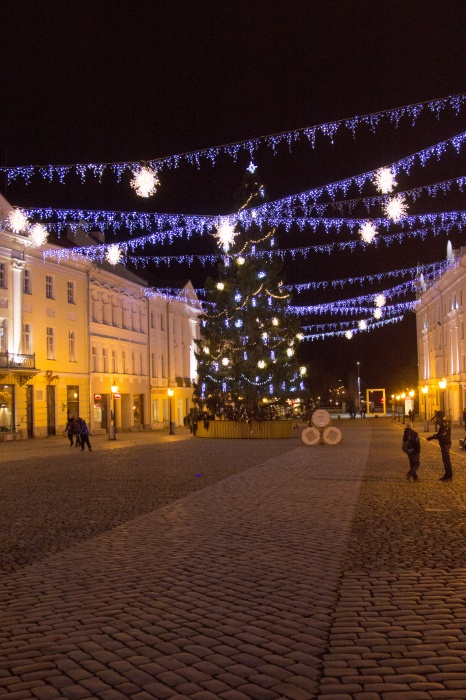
<point>145,182</point>
<point>349,334</point>
<point>38,234</point>
<point>225,235</point>
<point>378,313</point>
<point>384,180</point>
<point>395,208</point>
<point>367,232</point>
<point>113,254</point>
<point>241,260</point>
<point>225,361</point>
<point>17,221</point>
<point>380,300</point>
<point>261,364</point>
<point>220,286</point>
<point>362,325</point>
<point>290,352</point>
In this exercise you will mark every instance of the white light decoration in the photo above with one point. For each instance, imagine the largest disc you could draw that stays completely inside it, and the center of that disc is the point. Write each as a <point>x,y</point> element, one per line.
<point>275,321</point>
<point>396,208</point>
<point>349,334</point>
<point>145,182</point>
<point>261,274</point>
<point>300,336</point>
<point>251,167</point>
<point>289,352</point>
<point>241,260</point>
<point>238,323</point>
<point>265,336</point>
<point>362,325</point>
<point>237,297</point>
<point>206,350</point>
<point>302,371</point>
<point>225,235</point>
<point>367,232</point>
<point>225,361</point>
<point>113,254</point>
<point>380,300</point>
<point>378,313</point>
<point>384,180</point>
<point>38,234</point>
<point>220,286</point>
<point>17,221</point>
<point>261,364</point>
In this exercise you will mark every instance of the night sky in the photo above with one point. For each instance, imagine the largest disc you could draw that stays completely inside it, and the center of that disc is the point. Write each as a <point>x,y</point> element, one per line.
<point>98,81</point>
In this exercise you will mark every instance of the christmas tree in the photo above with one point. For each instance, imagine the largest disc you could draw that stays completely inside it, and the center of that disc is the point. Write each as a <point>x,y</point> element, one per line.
<point>247,365</point>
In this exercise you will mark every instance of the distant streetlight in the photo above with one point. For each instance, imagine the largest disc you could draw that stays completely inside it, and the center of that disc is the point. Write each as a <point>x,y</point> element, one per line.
<point>424,390</point>
<point>170,393</point>
<point>112,427</point>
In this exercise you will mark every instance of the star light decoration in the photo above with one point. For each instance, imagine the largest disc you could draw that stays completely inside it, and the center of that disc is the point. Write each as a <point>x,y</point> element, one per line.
<point>113,254</point>
<point>226,235</point>
<point>17,221</point>
<point>395,208</point>
<point>380,300</point>
<point>378,314</point>
<point>145,182</point>
<point>349,334</point>
<point>362,325</point>
<point>384,180</point>
<point>368,232</point>
<point>38,234</point>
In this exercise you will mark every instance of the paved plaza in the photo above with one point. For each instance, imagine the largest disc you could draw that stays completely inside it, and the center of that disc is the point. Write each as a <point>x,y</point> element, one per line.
<point>165,566</point>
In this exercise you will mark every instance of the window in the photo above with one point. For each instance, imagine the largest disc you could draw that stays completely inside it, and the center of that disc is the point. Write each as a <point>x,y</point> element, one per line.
<point>27,286</point>
<point>49,287</point>
<point>133,363</point>
<point>50,343</point>
<point>71,346</point>
<point>94,359</point>
<point>123,360</point>
<point>2,276</point>
<point>104,360</point>
<point>114,362</point>
<point>155,410</point>
<point>141,365</point>
<point>27,344</point>
<point>71,293</point>
<point>152,319</point>
<point>153,365</point>
<point>163,366</point>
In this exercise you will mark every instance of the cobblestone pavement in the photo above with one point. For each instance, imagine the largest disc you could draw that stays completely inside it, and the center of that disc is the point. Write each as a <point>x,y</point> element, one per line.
<point>311,573</point>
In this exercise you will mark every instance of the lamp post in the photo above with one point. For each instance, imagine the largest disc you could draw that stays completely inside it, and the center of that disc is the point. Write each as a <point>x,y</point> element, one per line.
<point>393,406</point>
<point>424,390</point>
<point>403,405</point>
<point>112,427</point>
<point>359,388</point>
<point>397,398</point>
<point>442,385</point>
<point>170,393</point>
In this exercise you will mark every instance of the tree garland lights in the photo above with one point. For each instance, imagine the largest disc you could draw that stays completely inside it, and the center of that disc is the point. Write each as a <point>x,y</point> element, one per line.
<point>233,150</point>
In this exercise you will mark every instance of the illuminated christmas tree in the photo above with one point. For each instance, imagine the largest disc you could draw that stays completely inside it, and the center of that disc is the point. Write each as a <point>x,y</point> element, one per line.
<point>247,365</point>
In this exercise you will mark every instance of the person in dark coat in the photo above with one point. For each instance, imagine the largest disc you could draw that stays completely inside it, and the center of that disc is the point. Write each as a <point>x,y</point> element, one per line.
<point>443,435</point>
<point>84,434</point>
<point>70,429</point>
<point>412,446</point>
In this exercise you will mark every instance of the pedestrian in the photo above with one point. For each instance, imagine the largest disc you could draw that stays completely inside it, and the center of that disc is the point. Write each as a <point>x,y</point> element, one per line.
<point>412,446</point>
<point>411,416</point>
<point>443,435</point>
<point>464,418</point>
<point>70,429</point>
<point>85,436</point>
<point>77,430</point>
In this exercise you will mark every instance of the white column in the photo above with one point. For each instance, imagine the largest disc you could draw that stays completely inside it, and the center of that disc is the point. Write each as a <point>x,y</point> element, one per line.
<point>14,341</point>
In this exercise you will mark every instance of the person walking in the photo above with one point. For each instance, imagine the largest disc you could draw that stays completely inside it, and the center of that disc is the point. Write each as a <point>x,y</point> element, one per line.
<point>443,435</point>
<point>84,434</point>
<point>412,446</point>
<point>70,429</point>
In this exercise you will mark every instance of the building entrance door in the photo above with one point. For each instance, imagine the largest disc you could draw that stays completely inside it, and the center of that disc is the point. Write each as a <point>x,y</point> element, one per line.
<point>51,430</point>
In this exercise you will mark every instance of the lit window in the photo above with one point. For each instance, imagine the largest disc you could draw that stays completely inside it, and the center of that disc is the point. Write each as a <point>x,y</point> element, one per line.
<point>70,292</point>
<point>71,346</point>
<point>27,287</point>
<point>49,287</point>
<point>50,343</point>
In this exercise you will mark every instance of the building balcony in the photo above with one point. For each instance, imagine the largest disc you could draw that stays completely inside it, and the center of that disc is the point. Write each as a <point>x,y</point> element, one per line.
<point>11,360</point>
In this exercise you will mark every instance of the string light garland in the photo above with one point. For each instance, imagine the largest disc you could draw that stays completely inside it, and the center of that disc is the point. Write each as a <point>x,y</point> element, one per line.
<point>233,150</point>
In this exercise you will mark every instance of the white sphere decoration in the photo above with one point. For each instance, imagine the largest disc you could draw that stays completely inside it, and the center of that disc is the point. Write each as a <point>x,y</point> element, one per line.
<point>38,234</point>
<point>145,182</point>
<point>220,286</point>
<point>290,352</point>
<point>396,208</point>
<point>17,221</point>
<point>113,254</point>
<point>378,313</point>
<point>225,361</point>
<point>225,235</point>
<point>367,232</point>
<point>261,364</point>
<point>241,260</point>
<point>362,325</point>
<point>384,180</point>
<point>275,321</point>
<point>380,300</point>
<point>349,335</point>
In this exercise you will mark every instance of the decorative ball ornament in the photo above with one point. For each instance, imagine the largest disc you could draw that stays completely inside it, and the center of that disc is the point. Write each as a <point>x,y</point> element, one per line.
<point>302,371</point>
<point>225,361</point>
<point>225,235</point>
<point>349,335</point>
<point>395,208</point>
<point>38,234</point>
<point>380,300</point>
<point>145,182</point>
<point>378,313</point>
<point>367,232</point>
<point>240,260</point>
<point>220,286</point>
<point>113,254</point>
<point>17,221</point>
<point>275,321</point>
<point>206,350</point>
<point>261,364</point>
<point>384,180</point>
<point>290,352</point>
<point>362,325</point>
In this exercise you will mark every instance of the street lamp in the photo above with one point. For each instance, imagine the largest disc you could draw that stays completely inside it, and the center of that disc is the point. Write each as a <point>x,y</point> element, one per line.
<point>403,406</point>
<point>393,406</point>
<point>424,390</point>
<point>170,393</point>
<point>442,386</point>
<point>397,398</point>
<point>359,387</point>
<point>112,427</point>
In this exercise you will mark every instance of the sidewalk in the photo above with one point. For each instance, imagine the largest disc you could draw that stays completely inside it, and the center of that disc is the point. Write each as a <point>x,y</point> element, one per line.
<point>322,573</point>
